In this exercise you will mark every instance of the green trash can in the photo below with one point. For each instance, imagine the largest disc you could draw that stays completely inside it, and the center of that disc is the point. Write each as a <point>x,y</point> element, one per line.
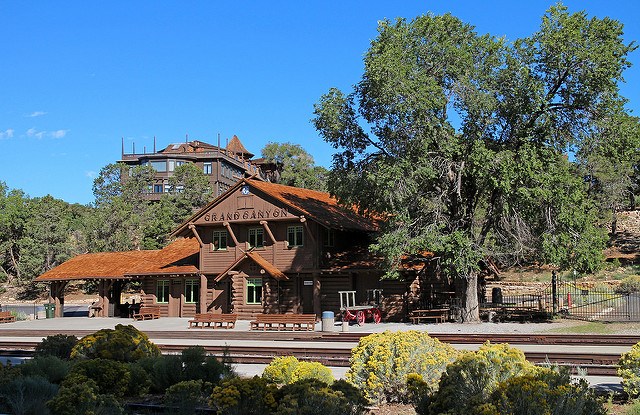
<point>50,310</point>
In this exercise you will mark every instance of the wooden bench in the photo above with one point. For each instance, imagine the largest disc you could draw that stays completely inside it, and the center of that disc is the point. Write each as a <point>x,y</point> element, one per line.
<point>212,321</point>
<point>147,312</point>
<point>284,322</point>
<point>7,317</point>
<point>439,315</point>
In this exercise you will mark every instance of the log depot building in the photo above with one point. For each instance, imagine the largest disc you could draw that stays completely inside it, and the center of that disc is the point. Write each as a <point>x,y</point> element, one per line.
<point>258,248</point>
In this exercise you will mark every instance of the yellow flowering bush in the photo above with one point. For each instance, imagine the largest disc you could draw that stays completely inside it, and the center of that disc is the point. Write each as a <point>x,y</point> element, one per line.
<point>469,381</point>
<point>629,371</point>
<point>124,344</point>
<point>381,362</point>
<point>288,369</point>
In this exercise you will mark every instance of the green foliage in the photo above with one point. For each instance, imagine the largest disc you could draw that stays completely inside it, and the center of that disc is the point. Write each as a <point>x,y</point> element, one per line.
<point>630,284</point>
<point>545,392</point>
<point>124,344</point>
<point>28,395</point>
<point>184,397</point>
<point>294,166</point>
<point>83,398</point>
<point>314,397</point>
<point>58,345</point>
<point>469,381</point>
<point>192,364</point>
<point>51,368</point>
<point>629,371</point>
<point>381,362</point>
<point>288,369</point>
<point>459,139</point>
<point>111,377</point>
<point>238,396</point>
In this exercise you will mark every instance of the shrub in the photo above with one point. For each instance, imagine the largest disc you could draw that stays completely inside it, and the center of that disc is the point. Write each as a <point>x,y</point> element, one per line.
<point>238,396</point>
<point>163,371</point>
<point>381,362</point>
<point>314,397</point>
<point>288,369</point>
<point>629,371</point>
<point>83,398</point>
<point>192,364</point>
<point>51,368</point>
<point>124,344</point>
<point>470,380</point>
<point>28,395</point>
<point>58,345</point>
<point>545,392</point>
<point>630,284</point>
<point>110,376</point>
<point>184,397</point>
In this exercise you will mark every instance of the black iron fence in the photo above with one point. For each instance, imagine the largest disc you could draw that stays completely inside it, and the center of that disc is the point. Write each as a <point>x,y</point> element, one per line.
<point>583,301</point>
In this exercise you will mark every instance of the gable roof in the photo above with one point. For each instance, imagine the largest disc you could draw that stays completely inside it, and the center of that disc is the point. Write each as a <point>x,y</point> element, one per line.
<point>268,267</point>
<point>318,206</point>
<point>179,257</point>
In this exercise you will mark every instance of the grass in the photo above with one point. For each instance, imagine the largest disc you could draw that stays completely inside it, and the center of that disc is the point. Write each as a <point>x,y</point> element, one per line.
<point>591,327</point>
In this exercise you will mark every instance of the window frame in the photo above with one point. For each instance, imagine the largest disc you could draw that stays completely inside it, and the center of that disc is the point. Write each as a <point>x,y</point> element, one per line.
<point>250,240</point>
<point>217,234</point>
<point>210,168</point>
<point>191,291</point>
<point>295,231</point>
<point>253,282</point>
<point>161,285</point>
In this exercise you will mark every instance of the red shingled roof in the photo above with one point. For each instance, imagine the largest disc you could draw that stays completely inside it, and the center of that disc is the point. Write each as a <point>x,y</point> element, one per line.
<point>318,206</point>
<point>179,257</point>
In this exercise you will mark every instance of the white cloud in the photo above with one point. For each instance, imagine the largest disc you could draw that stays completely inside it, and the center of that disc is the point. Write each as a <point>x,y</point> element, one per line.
<point>32,132</point>
<point>37,114</point>
<point>59,133</point>
<point>90,174</point>
<point>8,133</point>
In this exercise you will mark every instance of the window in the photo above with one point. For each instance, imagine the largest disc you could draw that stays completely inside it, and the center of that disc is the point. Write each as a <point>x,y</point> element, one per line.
<point>162,291</point>
<point>207,167</point>
<point>254,290</point>
<point>172,164</point>
<point>191,291</point>
<point>157,188</point>
<point>329,237</point>
<point>294,236</point>
<point>159,166</point>
<point>256,238</point>
<point>219,241</point>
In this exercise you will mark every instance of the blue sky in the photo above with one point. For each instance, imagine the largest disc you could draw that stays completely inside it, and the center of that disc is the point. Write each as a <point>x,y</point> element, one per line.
<point>76,76</point>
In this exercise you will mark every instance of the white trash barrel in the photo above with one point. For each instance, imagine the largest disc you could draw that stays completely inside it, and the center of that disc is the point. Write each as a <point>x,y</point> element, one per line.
<point>328,320</point>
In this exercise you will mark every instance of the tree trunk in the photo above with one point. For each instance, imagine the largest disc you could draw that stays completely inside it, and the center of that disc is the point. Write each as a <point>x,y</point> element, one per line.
<point>470,310</point>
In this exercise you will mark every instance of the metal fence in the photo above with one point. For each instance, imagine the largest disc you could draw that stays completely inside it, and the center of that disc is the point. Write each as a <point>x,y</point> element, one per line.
<point>571,300</point>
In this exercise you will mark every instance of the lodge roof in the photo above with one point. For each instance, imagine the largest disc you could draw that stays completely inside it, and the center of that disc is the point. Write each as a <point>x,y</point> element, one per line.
<point>179,257</point>
<point>267,266</point>
<point>318,206</point>
<point>235,146</point>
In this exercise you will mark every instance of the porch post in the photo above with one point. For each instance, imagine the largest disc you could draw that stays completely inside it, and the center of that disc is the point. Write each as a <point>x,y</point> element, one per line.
<point>203,293</point>
<point>317,307</point>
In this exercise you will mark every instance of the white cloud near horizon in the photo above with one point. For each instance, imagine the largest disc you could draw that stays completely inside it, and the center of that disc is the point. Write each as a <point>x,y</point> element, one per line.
<point>37,114</point>
<point>8,133</point>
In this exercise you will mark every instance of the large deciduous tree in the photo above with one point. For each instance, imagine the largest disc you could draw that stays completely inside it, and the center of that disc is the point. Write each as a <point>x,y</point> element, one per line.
<point>294,166</point>
<point>466,141</point>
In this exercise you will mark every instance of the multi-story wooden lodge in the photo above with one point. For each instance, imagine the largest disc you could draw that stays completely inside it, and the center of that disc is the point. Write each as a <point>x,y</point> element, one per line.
<point>222,166</point>
<point>258,248</point>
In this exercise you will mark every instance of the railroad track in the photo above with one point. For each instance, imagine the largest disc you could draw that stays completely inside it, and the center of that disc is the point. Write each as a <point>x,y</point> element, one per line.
<point>313,346</point>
